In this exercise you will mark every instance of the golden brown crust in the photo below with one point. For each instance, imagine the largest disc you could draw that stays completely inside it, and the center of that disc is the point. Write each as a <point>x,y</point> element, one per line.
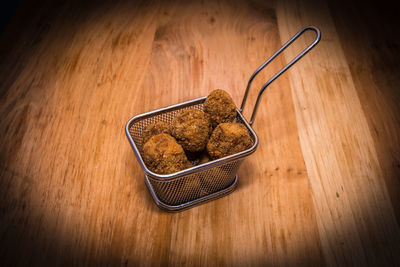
<point>191,129</point>
<point>163,155</point>
<point>220,106</point>
<point>154,129</point>
<point>228,139</point>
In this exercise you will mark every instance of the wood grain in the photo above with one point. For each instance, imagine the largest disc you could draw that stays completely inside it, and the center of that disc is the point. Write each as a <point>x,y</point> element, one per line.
<point>321,189</point>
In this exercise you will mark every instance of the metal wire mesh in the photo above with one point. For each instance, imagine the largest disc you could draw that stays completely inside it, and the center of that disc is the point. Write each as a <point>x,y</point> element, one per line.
<point>196,185</point>
<point>190,187</point>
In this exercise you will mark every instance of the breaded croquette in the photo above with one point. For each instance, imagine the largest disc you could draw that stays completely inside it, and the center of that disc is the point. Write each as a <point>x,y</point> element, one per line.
<point>191,129</point>
<point>163,155</point>
<point>220,106</point>
<point>227,139</point>
<point>154,129</point>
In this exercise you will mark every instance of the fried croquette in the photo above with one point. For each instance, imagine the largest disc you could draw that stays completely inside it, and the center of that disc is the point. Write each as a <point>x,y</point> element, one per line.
<point>154,129</point>
<point>191,129</point>
<point>220,106</point>
<point>228,139</point>
<point>163,155</point>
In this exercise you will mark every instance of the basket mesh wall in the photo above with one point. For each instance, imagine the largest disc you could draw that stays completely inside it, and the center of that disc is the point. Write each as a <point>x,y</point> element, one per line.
<point>196,185</point>
<point>190,187</point>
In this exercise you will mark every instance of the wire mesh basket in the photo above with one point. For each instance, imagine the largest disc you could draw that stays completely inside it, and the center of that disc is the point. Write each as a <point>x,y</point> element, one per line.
<point>210,180</point>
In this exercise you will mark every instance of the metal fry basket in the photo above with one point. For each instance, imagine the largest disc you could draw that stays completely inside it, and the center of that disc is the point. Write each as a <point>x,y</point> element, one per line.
<point>211,180</point>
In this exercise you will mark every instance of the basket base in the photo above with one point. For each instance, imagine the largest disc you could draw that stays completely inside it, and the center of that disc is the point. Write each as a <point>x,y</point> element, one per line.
<point>190,204</point>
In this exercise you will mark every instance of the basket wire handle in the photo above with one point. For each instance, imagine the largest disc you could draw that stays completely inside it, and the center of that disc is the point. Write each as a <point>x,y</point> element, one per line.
<point>305,51</point>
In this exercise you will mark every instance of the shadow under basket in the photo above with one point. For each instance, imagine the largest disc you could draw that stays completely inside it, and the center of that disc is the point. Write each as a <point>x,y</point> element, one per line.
<point>207,181</point>
<point>193,186</point>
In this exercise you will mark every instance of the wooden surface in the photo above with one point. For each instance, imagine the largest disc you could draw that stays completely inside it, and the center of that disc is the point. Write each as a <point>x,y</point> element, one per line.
<point>322,188</point>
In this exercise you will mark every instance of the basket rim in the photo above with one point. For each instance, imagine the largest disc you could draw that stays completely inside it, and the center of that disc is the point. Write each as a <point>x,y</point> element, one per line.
<point>194,169</point>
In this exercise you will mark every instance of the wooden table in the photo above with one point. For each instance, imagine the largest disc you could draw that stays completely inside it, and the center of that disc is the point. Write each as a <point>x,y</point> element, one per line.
<point>322,188</point>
